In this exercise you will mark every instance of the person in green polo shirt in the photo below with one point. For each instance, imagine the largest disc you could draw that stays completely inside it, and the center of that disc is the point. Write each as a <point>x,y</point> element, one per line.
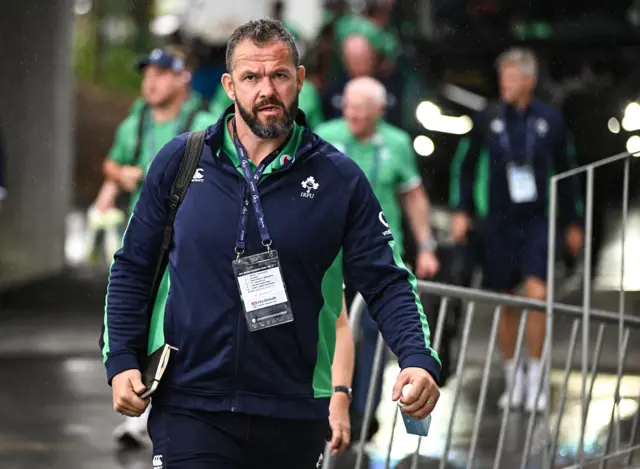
<point>385,43</point>
<point>386,156</point>
<point>169,109</point>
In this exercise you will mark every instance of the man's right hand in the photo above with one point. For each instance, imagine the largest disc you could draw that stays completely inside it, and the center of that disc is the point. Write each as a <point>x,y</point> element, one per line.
<point>125,387</point>
<point>130,177</point>
<point>459,227</point>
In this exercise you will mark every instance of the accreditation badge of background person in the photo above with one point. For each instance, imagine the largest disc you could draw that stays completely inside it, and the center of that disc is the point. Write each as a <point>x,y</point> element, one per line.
<point>249,384</point>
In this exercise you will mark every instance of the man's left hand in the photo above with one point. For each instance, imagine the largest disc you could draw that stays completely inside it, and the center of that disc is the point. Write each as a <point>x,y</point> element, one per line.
<point>574,239</point>
<point>339,422</point>
<point>427,264</point>
<point>423,396</point>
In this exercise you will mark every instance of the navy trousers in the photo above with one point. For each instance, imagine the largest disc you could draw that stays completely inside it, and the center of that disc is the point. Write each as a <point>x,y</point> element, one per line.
<point>189,439</point>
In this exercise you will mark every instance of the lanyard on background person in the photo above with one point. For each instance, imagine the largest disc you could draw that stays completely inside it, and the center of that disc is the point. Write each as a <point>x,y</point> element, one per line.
<point>521,178</point>
<point>529,144</point>
<point>151,136</point>
<point>377,158</point>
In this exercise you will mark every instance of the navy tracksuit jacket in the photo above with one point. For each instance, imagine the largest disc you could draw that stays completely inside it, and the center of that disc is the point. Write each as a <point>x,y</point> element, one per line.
<point>324,235</point>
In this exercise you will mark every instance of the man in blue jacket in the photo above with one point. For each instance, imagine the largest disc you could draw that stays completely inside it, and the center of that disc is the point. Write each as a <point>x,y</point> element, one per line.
<point>274,222</point>
<point>502,173</point>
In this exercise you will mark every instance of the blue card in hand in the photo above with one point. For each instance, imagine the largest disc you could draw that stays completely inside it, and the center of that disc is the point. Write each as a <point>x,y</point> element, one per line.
<point>416,427</point>
<point>413,426</point>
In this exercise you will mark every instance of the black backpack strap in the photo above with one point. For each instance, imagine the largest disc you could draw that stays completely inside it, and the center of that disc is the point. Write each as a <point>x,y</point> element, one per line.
<point>140,134</point>
<point>188,165</point>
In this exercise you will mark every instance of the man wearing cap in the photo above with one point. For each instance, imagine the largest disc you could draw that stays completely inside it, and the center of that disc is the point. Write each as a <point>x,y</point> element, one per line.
<point>169,110</point>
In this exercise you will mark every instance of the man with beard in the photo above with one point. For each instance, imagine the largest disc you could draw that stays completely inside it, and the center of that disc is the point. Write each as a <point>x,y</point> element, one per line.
<point>274,222</point>
<point>169,110</point>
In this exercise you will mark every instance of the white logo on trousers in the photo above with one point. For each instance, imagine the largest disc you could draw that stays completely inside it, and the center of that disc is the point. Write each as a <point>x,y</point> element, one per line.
<point>157,462</point>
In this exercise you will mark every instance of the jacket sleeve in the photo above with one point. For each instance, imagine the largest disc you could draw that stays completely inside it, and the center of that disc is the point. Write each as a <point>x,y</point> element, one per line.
<point>571,204</point>
<point>374,268</point>
<point>126,325</point>
<point>463,167</point>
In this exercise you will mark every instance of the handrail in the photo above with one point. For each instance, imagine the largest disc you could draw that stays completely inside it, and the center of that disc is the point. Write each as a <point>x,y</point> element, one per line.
<point>591,166</point>
<point>616,454</point>
<point>472,294</point>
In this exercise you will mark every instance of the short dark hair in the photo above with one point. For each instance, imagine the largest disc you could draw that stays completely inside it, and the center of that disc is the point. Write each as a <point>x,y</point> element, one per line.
<point>261,32</point>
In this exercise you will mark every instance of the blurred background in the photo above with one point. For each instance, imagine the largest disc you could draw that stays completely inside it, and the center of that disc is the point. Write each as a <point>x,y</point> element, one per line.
<point>68,80</point>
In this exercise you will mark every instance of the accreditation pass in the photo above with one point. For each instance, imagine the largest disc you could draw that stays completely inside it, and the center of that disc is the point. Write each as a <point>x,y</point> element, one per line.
<point>262,290</point>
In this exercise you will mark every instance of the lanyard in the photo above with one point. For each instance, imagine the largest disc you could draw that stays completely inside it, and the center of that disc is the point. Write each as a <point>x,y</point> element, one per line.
<point>377,157</point>
<point>530,140</point>
<point>253,195</point>
<point>151,134</point>
<point>153,148</point>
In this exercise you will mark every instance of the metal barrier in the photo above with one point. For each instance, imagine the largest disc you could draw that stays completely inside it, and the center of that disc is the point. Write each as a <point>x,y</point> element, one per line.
<point>581,317</point>
<point>586,300</point>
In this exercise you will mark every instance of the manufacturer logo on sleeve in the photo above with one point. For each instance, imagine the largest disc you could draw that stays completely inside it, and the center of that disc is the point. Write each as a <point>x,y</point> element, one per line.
<point>383,220</point>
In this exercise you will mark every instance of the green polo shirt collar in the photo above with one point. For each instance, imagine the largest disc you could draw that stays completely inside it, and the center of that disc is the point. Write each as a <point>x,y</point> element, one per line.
<point>287,154</point>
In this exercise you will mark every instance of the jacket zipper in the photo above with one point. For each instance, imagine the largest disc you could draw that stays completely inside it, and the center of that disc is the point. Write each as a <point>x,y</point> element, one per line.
<point>239,329</point>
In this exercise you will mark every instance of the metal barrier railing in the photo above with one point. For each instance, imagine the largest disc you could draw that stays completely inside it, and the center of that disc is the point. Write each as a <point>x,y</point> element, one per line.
<point>588,253</point>
<point>474,298</point>
<point>580,317</point>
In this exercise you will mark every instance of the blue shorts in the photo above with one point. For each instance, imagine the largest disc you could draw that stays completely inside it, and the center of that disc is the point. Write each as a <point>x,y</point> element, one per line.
<point>189,439</point>
<point>512,252</point>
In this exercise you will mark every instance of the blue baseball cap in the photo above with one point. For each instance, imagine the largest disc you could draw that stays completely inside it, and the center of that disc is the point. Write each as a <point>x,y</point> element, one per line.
<point>161,59</point>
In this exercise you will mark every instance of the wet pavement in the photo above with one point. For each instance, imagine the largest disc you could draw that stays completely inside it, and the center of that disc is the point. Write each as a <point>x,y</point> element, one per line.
<point>55,408</point>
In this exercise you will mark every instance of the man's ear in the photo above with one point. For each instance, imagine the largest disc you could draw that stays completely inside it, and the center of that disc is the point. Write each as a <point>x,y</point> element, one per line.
<point>301,75</point>
<point>227,84</point>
